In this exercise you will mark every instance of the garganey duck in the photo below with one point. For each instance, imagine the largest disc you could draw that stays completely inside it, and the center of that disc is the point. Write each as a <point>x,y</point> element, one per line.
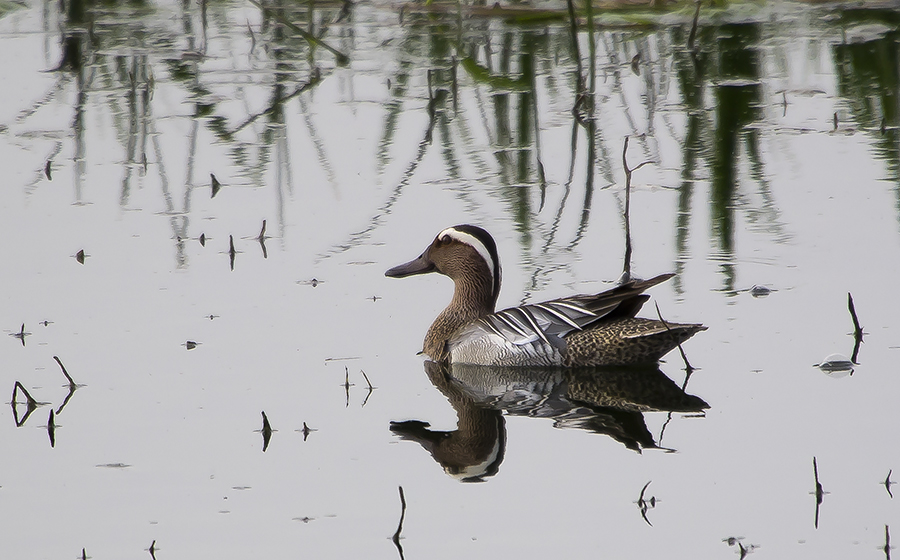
<point>581,330</point>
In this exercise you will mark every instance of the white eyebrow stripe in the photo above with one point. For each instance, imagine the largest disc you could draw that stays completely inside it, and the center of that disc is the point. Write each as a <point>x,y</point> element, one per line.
<point>476,244</point>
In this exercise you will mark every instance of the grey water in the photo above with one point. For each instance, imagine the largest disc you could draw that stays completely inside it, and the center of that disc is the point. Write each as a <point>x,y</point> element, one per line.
<point>765,172</point>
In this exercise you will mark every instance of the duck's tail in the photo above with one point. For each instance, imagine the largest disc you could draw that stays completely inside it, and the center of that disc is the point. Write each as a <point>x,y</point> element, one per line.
<point>626,341</point>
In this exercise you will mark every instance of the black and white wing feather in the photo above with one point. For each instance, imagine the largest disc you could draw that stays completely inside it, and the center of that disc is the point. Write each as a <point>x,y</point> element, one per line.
<point>550,321</point>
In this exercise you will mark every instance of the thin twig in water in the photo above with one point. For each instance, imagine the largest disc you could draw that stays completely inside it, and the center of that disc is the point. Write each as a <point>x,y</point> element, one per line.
<point>626,270</point>
<point>367,379</point>
<point>262,240</point>
<point>857,330</point>
<point>30,400</point>
<point>72,384</point>
<point>306,431</point>
<point>371,388</point>
<point>820,491</point>
<point>30,407</point>
<point>887,542</point>
<point>347,385</point>
<point>67,399</point>
<point>231,251</point>
<point>687,365</point>
<point>645,505</point>
<point>266,431</point>
<point>214,185</point>
<point>21,334</point>
<point>51,429</point>
<point>396,537</point>
<point>262,232</point>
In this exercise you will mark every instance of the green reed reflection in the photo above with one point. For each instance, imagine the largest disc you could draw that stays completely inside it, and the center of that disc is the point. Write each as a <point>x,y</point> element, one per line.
<point>868,74</point>
<point>480,88</point>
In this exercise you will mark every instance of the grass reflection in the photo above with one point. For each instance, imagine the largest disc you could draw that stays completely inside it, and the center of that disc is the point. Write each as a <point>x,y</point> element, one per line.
<point>487,86</point>
<point>867,67</point>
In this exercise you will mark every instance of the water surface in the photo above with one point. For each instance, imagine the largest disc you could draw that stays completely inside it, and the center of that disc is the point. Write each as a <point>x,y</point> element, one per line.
<point>773,161</point>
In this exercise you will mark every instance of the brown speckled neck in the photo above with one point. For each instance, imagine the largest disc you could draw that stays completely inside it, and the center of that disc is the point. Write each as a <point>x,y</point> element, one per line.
<point>473,298</point>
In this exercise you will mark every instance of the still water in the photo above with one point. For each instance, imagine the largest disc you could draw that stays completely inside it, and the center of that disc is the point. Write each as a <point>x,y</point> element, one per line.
<point>356,132</point>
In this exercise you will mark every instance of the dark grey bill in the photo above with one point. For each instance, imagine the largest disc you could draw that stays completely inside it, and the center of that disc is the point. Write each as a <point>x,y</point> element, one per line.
<point>421,265</point>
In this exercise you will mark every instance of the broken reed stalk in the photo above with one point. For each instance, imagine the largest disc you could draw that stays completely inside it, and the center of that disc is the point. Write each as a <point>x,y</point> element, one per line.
<point>347,386</point>
<point>857,329</point>
<point>72,384</point>
<point>820,492</point>
<point>626,272</point>
<point>367,379</point>
<point>231,252</point>
<point>266,431</point>
<point>214,185</point>
<point>51,429</point>
<point>643,505</point>
<point>31,402</point>
<point>687,365</point>
<point>396,537</point>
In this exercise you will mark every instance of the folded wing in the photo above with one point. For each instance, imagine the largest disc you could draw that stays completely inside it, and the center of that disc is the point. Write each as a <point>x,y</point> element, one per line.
<point>550,321</point>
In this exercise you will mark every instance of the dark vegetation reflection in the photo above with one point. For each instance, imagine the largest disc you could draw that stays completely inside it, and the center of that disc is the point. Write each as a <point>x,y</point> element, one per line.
<point>539,57</point>
<point>868,78</point>
<point>610,401</point>
<point>116,56</point>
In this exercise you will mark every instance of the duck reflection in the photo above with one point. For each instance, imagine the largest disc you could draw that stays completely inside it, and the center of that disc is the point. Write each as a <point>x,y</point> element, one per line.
<point>608,400</point>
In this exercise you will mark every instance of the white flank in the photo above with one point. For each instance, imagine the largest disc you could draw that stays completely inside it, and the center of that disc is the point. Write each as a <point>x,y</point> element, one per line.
<point>476,244</point>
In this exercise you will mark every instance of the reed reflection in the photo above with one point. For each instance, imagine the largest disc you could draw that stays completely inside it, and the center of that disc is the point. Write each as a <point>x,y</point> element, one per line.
<point>738,98</point>
<point>610,401</point>
<point>494,95</point>
<point>867,68</point>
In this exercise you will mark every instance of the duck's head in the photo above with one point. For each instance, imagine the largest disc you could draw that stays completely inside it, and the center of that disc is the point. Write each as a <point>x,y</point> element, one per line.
<point>465,253</point>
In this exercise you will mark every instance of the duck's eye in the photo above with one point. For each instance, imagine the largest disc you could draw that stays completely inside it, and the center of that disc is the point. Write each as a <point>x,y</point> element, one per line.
<point>446,240</point>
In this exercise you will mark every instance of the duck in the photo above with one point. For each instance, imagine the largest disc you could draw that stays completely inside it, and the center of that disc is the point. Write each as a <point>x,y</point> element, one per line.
<point>576,331</point>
